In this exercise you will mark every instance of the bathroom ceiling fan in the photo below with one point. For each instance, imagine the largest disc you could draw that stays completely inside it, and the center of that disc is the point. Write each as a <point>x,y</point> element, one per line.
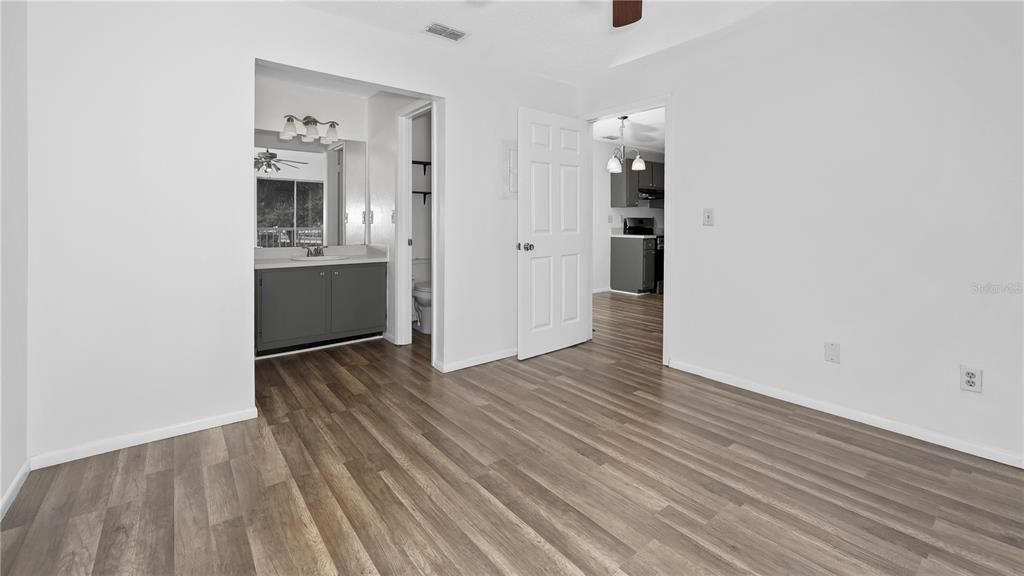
<point>267,162</point>
<point>626,12</point>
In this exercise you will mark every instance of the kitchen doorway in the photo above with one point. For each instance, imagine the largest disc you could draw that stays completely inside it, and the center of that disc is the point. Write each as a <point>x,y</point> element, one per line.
<point>632,192</point>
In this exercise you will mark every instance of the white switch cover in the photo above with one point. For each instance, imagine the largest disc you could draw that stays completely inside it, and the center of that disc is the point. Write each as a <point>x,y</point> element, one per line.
<point>832,352</point>
<point>709,217</point>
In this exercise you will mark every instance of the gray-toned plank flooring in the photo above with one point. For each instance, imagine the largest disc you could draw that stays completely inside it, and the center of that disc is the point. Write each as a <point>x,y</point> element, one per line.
<point>591,460</point>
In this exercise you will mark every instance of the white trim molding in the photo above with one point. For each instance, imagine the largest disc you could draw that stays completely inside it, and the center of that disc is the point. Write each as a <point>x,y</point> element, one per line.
<point>980,450</point>
<point>475,361</point>
<point>12,491</point>
<point>134,439</point>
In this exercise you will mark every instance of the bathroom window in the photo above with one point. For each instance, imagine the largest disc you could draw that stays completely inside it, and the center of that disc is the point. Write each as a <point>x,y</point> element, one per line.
<point>289,213</point>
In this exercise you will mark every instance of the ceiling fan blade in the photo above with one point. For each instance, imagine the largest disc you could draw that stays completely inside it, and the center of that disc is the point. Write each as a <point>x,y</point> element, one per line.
<point>292,161</point>
<point>626,12</point>
<point>287,164</point>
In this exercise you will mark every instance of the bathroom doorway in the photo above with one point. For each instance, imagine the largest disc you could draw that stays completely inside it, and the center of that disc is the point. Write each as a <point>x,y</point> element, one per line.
<point>417,283</point>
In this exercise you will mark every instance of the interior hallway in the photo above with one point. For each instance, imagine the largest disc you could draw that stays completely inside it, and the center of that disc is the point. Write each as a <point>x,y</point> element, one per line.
<point>591,460</point>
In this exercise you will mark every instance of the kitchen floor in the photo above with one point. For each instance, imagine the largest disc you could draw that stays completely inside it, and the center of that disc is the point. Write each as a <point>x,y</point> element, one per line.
<point>590,460</point>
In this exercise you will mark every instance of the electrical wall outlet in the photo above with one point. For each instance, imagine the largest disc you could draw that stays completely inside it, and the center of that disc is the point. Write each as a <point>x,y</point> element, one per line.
<point>832,352</point>
<point>970,379</point>
<point>610,217</point>
<point>708,217</point>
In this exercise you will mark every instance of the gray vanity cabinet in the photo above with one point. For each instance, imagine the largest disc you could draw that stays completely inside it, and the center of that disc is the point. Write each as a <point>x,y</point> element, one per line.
<point>296,306</point>
<point>291,306</point>
<point>358,299</point>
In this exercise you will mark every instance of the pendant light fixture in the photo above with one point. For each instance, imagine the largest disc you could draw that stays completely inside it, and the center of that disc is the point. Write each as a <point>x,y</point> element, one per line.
<point>619,156</point>
<point>312,130</point>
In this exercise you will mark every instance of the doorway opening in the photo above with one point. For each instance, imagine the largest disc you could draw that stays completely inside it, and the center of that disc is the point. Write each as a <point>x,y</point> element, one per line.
<point>332,260</point>
<point>629,244</point>
<point>418,281</point>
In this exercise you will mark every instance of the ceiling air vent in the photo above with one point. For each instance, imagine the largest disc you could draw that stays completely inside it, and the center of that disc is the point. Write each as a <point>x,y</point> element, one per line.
<point>446,32</point>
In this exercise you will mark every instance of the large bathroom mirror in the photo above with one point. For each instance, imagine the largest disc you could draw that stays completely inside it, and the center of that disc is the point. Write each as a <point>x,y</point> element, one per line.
<point>312,194</point>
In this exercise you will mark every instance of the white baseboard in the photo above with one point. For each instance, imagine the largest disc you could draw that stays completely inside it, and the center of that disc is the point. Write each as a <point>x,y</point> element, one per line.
<point>12,491</point>
<point>475,361</point>
<point>599,290</point>
<point>134,439</point>
<point>982,451</point>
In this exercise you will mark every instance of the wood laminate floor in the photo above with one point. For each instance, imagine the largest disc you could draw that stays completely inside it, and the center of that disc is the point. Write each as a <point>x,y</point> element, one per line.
<point>592,460</point>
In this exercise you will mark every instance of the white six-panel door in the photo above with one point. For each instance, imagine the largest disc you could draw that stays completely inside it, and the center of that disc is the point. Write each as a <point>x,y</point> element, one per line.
<point>555,219</point>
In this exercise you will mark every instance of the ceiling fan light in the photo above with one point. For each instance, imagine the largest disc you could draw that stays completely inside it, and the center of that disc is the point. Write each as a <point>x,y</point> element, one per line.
<point>289,131</point>
<point>638,164</point>
<point>614,165</point>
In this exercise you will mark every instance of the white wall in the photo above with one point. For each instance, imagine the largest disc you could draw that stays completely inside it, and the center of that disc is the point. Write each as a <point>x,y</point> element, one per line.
<point>155,334</point>
<point>279,97</point>
<point>382,154</point>
<point>13,250</point>
<point>864,164</point>
<point>603,229</point>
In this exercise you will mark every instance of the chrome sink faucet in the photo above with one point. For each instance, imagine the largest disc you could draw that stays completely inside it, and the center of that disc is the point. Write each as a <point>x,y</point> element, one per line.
<point>314,250</point>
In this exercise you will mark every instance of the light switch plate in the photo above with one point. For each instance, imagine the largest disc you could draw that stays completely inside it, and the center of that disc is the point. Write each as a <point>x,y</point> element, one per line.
<point>832,352</point>
<point>708,217</point>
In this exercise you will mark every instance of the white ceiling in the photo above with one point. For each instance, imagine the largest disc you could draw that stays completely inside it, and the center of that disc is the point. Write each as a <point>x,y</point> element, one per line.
<point>564,40</point>
<point>644,130</point>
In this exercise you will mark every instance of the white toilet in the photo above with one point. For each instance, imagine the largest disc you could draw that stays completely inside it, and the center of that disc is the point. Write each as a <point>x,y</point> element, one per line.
<point>421,294</point>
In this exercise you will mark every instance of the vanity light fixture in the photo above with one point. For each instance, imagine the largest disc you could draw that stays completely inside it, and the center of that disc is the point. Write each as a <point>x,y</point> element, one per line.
<point>312,125</point>
<point>614,165</point>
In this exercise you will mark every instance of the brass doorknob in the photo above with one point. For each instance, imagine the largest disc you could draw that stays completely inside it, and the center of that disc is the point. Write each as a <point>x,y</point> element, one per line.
<point>527,247</point>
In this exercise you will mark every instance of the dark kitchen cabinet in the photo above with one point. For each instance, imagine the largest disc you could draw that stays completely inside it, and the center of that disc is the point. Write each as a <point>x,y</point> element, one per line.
<point>305,305</point>
<point>626,185</point>
<point>657,174</point>
<point>624,190</point>
<point>645,178</point>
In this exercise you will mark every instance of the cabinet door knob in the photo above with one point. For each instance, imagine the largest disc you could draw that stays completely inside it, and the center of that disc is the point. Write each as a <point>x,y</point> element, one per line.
<point>321,273</point>
<point>336,272</point>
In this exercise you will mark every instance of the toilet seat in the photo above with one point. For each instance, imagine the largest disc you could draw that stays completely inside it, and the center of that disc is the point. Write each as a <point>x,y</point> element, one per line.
<point>422,287</point>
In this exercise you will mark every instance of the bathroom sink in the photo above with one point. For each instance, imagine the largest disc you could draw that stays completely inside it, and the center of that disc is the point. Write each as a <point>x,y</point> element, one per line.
<point>318,258</point>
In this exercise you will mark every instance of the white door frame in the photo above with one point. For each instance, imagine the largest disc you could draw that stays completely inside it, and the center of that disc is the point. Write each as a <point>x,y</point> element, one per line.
<point>667,331</point>
<point>403,226</point>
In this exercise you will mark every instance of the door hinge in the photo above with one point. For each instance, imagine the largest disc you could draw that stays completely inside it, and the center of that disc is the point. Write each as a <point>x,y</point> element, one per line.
<point>410,241</point>
<point>519,245</point>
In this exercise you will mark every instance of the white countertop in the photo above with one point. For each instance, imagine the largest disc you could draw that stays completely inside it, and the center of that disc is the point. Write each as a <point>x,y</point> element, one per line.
<point>642,236</point>
<point>270,258</point>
